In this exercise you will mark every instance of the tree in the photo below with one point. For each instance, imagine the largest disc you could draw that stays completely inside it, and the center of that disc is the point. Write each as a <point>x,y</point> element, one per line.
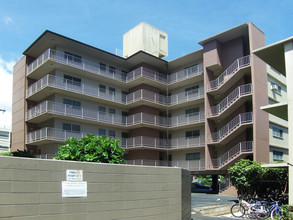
<point>252,180</point>
<point>91,148</point>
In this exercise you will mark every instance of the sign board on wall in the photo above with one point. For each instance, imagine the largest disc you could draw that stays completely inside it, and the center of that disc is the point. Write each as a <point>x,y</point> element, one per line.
<point>74,175</point>
<point>74,189</point>
<point>74,186</point>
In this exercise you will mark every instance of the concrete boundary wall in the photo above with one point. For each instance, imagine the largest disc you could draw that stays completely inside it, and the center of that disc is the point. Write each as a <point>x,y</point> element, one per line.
<point>31,189</point>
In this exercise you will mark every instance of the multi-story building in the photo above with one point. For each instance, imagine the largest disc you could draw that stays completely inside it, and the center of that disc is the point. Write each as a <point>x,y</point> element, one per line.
<point>200,111</point>
<point>279,57</point>
<point>5,139</point>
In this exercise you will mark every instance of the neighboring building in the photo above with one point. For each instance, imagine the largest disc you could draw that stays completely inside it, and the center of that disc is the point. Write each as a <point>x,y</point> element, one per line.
<point>280,57</point>
<point>278,128</point>
<point>200,111</point>
<point>5,140</point>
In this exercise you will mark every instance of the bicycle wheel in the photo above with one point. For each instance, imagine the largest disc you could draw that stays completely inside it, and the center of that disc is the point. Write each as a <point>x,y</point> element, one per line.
<point>262,212</point>
<point>277,213</point>
<point>237,210</point>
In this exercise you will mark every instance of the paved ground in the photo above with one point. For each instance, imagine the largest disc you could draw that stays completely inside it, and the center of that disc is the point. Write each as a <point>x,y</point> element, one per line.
<point>202,199</point>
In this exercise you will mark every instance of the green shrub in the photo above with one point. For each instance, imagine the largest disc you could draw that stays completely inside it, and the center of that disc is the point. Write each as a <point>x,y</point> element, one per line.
<point>22,153</point>
<point>92,149</point>
<point>6,154</point>
<point>288,209</point>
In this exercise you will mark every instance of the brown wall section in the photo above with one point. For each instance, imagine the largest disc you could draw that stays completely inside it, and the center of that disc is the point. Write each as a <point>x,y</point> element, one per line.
<point>211,54</point>
<point>231,51</point>
<point>144,131</point>
<point>144,109</point>
<point>260,97</point>
<point>145,87</point>
<point>18,105</point>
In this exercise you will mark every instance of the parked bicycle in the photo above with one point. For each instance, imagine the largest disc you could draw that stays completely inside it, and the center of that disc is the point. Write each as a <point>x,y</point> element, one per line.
<point>257,209</point>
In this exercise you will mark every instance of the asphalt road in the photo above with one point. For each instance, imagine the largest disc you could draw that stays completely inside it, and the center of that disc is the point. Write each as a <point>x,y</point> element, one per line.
<point>202,199</point>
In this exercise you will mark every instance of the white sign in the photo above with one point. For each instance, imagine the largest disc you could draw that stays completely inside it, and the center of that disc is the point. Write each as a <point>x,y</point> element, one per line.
<point>74,175</point>
<point>74,189</point>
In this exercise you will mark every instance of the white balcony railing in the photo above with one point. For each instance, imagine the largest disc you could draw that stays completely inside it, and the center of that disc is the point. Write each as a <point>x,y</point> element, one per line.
<point>177,143</point>
<point>98,69</point>
<point>231,126</point>
<point>181,120</point>
<point>186,164</point>
<point>186,73</point>
<point>229,72</point>
<point>232,153</point>
<point>55,134</point>
<point>91,114</point>
<point>232,97</point>
<point>90,90</point>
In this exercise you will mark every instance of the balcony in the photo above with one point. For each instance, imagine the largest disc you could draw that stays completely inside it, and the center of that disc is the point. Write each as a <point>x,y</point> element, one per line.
<point>180,78</point>
<point>232,98</point>
<point>186,164</point>
<point>181,143</point>
<point>229,73</point>
<point>183,120</point>
<point>99,70</point>
<point>234,153</point>
<point>44,110</point>
<point>231,127</point>
<point>184,98</point>
<point>50,84</point>
<point>49,135</point>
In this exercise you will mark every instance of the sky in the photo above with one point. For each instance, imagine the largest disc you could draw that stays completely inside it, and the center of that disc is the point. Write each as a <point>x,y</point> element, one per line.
<point>102,23</point>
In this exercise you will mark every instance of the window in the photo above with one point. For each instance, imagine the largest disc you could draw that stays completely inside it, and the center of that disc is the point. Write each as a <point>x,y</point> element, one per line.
<point>102,110</point>
<point>111,133</point>
<point>192,134</point>
<point>102,132</point>
<point>277,155</point>
<point>193,156</point>
<point>192,111</point>
<point>124,75</point>
<point>191,90</point>
<point>4,135</point>
<point>277,133</point>
<point>162,36</point>
<point>102,67</point>
<point>191,69</point>
<point>72,103</point>
<point>112,111</point>
<point>102,88</point>
<point>112,69</point>
<point>71,127</point>
<point>72,57</point>
<point>72,80</point>
<point>276,88</point>
<point>112,91</point>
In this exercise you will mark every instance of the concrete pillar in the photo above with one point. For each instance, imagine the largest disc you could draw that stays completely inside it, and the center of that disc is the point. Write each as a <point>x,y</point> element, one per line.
<point>288,48</point>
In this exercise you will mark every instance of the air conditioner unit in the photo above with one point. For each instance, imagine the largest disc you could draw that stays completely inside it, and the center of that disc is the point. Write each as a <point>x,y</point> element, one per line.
<point>274,87</point>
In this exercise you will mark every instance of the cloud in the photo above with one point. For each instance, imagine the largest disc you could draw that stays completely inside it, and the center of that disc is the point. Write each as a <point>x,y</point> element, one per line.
<point>7,20</point>
<point>6,68</point>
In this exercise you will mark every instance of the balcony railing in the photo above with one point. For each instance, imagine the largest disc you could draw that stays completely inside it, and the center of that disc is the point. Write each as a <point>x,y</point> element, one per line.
<point>186,164</point>
<point>56,134</point>
<point>177,143</point>
<point>229,72</point>
<point>231,126</point>
<point>90,114</point>
<point>186,73</point>
<point>232,153</point>
<point>181,120</point>
<point>233,96</point>
<point>98,69</point>
<point>186,96</point>
<point>86,89</point>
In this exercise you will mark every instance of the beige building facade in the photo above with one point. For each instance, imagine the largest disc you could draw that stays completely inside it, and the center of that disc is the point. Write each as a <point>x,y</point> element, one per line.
<point>200,111</point>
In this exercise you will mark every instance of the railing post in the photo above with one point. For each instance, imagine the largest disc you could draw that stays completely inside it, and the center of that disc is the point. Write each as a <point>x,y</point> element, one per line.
<point>141,140</point>
<point>141,71</point>
<point>141,120</point>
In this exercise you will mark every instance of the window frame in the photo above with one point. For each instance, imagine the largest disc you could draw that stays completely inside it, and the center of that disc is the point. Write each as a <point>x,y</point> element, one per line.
<point>192,156</point>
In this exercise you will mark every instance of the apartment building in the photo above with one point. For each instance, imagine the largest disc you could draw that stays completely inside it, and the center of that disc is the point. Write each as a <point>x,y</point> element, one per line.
<point>5,137</point>
<point>200,111</point>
